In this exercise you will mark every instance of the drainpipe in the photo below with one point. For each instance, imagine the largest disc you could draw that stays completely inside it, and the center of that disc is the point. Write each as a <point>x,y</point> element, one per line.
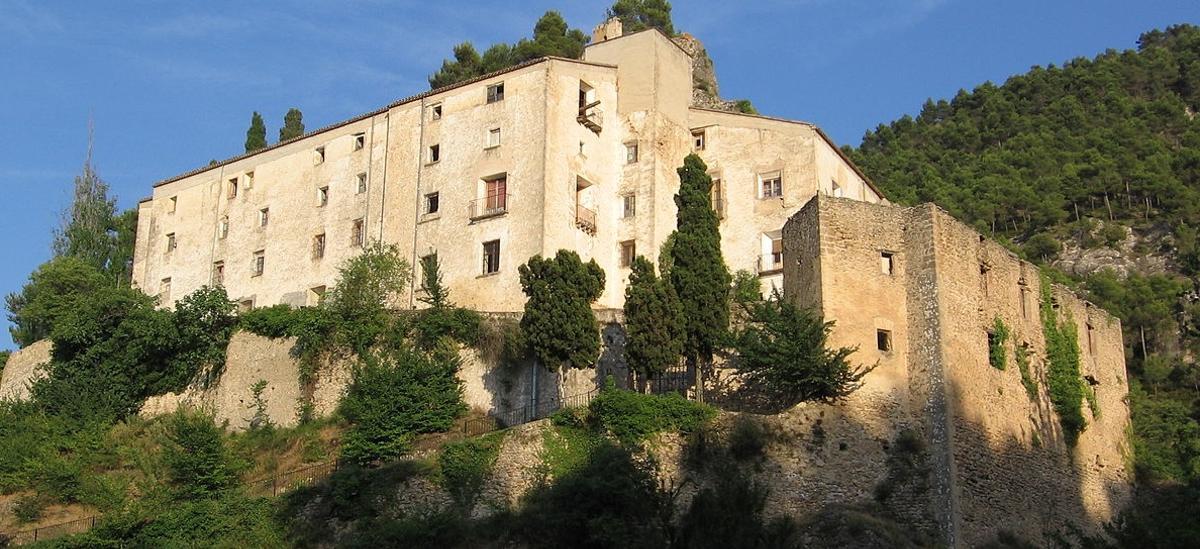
<point>412,283</point>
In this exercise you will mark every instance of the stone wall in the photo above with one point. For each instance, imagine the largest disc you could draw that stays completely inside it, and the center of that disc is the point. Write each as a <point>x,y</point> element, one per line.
<point>22,368</point>
<point>994,452</point>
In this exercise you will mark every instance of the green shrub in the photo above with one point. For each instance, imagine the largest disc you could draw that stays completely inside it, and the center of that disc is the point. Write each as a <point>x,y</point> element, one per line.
<point>566,447</point>
<point>558,322</point>
<point>275,322</point>
<point>1112,234</point>
<point>1021,353</point>
<point>466,466</point>
<point>747,439</point>
<point>501,341</point>
<point>230,520</point>
<point>1062,371</point>
<point>51,292</point>
<point>431,326</point>
<point>747,287</point>
<point>29,508</point>
<point>196,456</point>
<point>997,353</point>
<point>436,529</point>
<point>1041,247</point>
<point>395,395</point>
<point>784,350</point>
<point>632,417</point>
<point>728,513</point>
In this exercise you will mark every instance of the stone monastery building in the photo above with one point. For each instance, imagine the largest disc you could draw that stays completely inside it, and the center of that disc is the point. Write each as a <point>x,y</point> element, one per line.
<point>547,155</point>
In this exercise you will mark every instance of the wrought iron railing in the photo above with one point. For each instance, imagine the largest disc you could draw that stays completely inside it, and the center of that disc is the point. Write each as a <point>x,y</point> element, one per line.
<point>489,206</point>
<point>585,219</point>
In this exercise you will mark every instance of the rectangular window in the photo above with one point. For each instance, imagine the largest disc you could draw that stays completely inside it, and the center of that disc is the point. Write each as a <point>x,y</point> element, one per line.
<point>495,92</point>
<point>316,295</point>
<point>887,262</point>
<point>777,252</point>
<point>360,141</point>
<point>493,138</point>
<point>630,205</point>
<point>245,305</point>
<point>628,252</point>
<point>319,156</point>
<point>491,257</point>
<point>698,140</point>
<point>435,153</point>
<point>322,196</point>
<point>836,189</point>
<point>435,111</point>
<point>318,246</point>
<point>233,188</point>
<point>432,203</point>
<point>264,217</point>
<point>260,263</point>
<point>496,193</point>
<point>172,204</point>
<point>361,183</point>
<point>223,228</point>
<point>356,233</point>
<point>171,242</point>
<point>164,291</point>
<point>249,180</point>
<point>718,198</point>
<point>631,153</point>
<point>218,274</point>
<point>883,340</point>
<point>772,185</point>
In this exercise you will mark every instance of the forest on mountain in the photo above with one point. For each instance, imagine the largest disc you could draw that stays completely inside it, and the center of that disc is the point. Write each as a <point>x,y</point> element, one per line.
<point>1095,153</point>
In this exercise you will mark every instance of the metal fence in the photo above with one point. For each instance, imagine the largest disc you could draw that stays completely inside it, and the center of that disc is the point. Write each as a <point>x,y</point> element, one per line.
<point>524,414</point>
<point>44,533</point>
<point>291,480</point>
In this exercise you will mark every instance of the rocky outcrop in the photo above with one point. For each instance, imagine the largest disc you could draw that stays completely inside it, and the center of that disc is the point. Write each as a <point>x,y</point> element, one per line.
<point>706,91</point>
<point>22,368</point>
<point>1141,251</point>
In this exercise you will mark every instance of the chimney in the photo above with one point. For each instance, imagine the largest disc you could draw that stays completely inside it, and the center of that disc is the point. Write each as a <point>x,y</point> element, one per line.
<point>607,30</point>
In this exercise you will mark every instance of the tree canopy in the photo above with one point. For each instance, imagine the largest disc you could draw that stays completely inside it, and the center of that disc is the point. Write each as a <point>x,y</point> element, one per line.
<point>698,271</point>
<point>637,15</point>
<point>559,324</point>
<point>551,37</point>
<point>256,135</point>
<point>653,321</point>
<point>293,125</point>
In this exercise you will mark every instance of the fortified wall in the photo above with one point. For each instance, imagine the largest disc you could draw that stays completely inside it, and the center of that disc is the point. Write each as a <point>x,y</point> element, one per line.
<point>919,294</point>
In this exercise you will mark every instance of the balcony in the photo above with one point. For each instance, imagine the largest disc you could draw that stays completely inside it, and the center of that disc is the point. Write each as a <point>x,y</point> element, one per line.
<point>769,264</point>
<point>489,206</point>
<point>591,116</point>
<point>585,219</point>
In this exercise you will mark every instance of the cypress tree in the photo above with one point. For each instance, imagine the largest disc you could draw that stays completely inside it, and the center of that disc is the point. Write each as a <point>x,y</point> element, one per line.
<point>293,125</point>
<point>256,136</point>
<point>88,227</point>
<point>559,324</point>
<point>698,271</point>
<point>653,321</point>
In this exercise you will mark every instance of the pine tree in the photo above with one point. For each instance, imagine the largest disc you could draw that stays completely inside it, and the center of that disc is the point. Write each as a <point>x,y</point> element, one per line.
<point>698,271</point>
<point>256,136</point>
<point>653,321</point>
<point>559,324</point>
<point>551,37</point>
<point>87,226</point>
<point>293,125</point>
<point>637,15</point>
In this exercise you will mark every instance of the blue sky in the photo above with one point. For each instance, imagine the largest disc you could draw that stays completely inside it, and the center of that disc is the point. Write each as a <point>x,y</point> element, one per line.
<point>171,85</point>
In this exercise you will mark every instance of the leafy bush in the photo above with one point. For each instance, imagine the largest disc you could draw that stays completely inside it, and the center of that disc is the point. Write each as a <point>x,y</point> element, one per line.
<point>358,303</point>
<point>50,293</point>
<point>1041,247</point>
<point>196,456</point>
<point>653,321</point>
<point>275,322</point>
<point>230,520</point>
<point>747,439</point>
<point>747,287</point>
<point>559,323</point>
<point>632,417</point>
<point>466,465</point>
<point>997,353</point>
<point>1062,371</point>
<point>783,349</point>
<point>395,395</point>
<point>1021,353</point>
<point>729,513</point>
<point>501,340</point>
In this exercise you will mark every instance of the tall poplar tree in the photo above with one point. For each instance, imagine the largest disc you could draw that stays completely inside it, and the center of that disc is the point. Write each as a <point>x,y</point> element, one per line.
<point>256,136</point>
<point>293,125</point>
<point>653,321</point>
<point>698,271</point>
<point>87,230</point>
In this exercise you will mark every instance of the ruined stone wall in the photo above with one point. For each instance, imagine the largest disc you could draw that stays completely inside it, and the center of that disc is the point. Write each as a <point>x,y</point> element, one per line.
<point>23,367</point>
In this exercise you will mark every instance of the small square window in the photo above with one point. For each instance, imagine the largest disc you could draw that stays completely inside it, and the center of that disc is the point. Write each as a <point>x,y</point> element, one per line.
<point>491,257</point>
<point>435,111</point>
<point>435,153</point>
<point>316,295</point>
<point>218,274</point>
<point>260,263</point>
<point>698,140</point>
<point>495,92</point>
<point>357,234</point>
<point>628,253</point>
<point>264,217</point>
<point>361,183</point>
<point>322,196</point>
<point>883,340</point>
<point>772,185</point>
<point>246,305</point>
<point>631,153</point>
<point>171,242</point>
<point>887,262</point>
<point>249,180</point>
<point>432,203</point>
<point>233,188</point>
<point>836,189</point>
<point>172,204</point>
<point>318,246</point>
<point>493,138</point>
<point>319,157</point>
<point>360,141</point>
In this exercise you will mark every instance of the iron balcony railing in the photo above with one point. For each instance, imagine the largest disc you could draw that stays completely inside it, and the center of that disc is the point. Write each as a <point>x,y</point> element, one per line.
<point>591,116</point>
<point>585,219</point>
<point>770,263</point>
<point>489,206</point>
